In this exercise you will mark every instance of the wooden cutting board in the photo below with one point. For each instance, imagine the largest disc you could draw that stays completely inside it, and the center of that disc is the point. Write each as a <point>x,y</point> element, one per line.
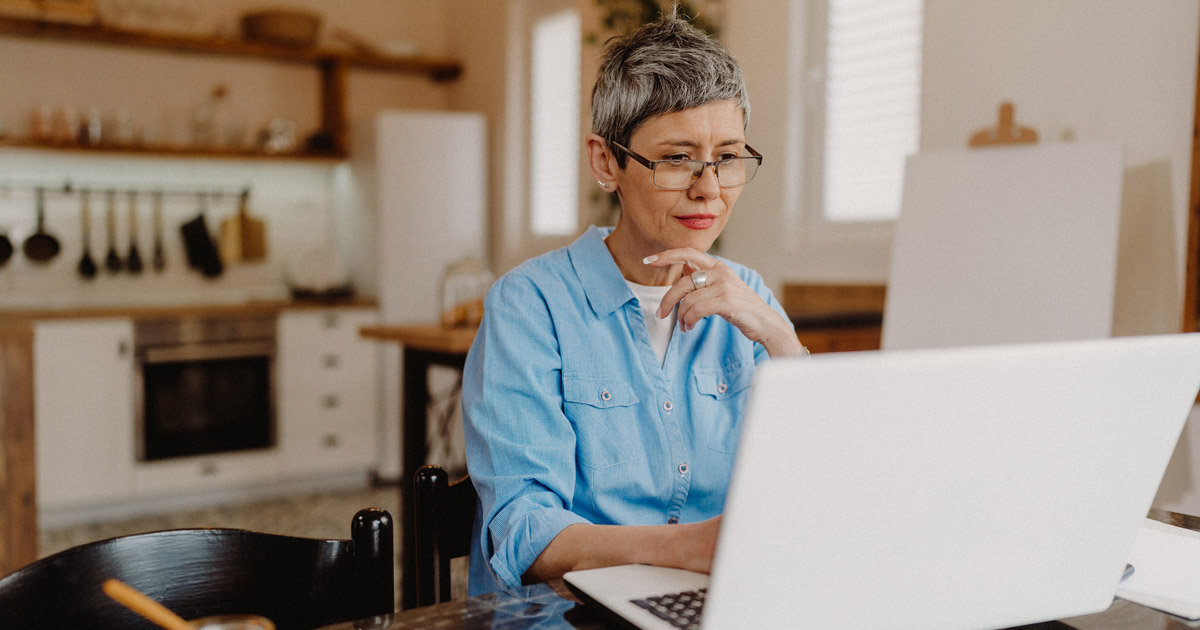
<point>253,232</point>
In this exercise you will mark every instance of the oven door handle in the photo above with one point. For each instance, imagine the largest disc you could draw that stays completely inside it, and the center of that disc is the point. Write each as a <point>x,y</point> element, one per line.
<point>208,351</point>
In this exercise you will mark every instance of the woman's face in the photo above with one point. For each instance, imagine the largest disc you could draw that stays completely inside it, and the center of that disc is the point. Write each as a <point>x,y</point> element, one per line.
<point>653,219</point>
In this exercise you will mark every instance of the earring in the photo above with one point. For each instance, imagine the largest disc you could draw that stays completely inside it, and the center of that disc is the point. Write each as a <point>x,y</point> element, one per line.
<point>603,185</point>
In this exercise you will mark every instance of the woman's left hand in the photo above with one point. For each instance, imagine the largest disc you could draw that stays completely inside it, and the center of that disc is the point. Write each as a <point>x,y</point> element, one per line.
<point>709,287</point>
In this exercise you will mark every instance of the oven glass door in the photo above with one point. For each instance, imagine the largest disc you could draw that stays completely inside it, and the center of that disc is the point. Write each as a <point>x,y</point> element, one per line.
<point>211,398</point>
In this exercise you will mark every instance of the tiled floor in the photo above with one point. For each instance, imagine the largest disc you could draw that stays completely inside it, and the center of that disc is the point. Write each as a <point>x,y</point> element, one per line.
<point>324,515</point>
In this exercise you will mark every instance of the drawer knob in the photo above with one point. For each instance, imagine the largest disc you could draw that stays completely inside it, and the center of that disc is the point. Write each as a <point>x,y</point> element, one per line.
<point>330,401</point>
<point>331,440</point>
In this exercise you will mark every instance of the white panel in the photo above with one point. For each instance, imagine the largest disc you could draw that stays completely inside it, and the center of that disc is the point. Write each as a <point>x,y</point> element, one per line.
<point>1000,245</point>
<point>83,402</point>
<point>428,181</point>
<point>432,206</point>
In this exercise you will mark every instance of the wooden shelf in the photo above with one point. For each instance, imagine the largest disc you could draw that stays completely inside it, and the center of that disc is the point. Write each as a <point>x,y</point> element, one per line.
<point>436,69</point>
<point>169,151</point>
<point>332,65</point>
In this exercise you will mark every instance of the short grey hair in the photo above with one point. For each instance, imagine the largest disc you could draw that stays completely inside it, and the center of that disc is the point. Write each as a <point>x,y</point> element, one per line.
<point>663,67</point>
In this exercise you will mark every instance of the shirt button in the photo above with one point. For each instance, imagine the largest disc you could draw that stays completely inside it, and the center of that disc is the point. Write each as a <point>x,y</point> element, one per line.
<point>722,388</point>
<point>667,406</point>
<point>605,396</point>
<point>673,520</point>
<point>683,468</point>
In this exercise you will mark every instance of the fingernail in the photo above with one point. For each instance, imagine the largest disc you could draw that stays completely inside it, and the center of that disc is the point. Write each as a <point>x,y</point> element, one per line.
<point>658,313</point>
<point>649,259</point>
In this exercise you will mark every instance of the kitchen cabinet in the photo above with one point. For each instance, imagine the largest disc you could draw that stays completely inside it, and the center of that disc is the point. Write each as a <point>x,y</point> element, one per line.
<point>204,473</point>
<point>331,64</point>
<point>83,406</point>
<point>328,392</point>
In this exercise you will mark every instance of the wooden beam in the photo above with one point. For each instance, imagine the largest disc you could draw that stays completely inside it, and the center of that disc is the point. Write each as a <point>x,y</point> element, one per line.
<point>18,497</point>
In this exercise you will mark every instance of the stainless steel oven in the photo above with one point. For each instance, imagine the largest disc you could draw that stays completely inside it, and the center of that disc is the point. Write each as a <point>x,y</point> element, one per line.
<point>205,385</point>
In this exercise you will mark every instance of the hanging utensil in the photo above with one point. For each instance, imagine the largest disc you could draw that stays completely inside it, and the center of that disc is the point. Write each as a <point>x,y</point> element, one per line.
<point>229,240</point>
<point>113,260</point>
<point>134,261</point>
<point>201,252</point>
<point>87,266</point>
<point>41,247</point>
<point>254,231</point>
<point>6,246</point>
<point>159,259</point>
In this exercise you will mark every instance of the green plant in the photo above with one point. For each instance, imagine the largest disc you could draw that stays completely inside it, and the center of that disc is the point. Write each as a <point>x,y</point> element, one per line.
<point>623,16</point>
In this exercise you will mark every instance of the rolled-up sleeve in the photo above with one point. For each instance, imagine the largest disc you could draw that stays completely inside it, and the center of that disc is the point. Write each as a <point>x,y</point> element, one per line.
<point>520,445</point>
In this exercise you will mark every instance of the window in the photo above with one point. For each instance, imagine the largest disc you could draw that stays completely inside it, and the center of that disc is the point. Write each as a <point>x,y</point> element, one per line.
<point>554,123</point>
<point>867,59</point>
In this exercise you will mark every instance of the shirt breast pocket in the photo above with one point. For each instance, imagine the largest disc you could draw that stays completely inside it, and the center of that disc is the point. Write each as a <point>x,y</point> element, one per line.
<point>722,396</point>
<point>603,410</point>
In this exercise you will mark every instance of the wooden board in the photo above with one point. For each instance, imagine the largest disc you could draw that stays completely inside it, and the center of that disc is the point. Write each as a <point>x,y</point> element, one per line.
<point>1004,245</point>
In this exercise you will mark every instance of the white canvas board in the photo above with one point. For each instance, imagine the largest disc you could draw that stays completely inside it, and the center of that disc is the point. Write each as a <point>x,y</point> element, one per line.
<point>1005,245</point>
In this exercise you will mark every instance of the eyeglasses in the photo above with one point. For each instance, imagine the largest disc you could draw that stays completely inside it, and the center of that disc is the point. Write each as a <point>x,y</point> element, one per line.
<point>683,174</point>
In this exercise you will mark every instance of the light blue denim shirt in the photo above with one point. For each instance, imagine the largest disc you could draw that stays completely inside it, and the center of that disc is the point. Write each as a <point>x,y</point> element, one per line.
<point>570,418</point>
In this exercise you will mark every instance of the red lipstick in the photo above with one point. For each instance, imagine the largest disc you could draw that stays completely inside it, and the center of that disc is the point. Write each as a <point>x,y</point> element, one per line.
<point>697,221</point>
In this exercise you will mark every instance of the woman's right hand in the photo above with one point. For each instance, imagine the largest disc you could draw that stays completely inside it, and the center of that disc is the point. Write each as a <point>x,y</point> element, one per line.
<point>587,546</point>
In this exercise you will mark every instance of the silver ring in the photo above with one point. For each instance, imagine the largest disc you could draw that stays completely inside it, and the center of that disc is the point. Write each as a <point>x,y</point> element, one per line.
<point>700,279</point>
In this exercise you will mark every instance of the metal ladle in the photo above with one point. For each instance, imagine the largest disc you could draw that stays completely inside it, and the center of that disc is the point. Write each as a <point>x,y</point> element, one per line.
<point>112,261</point>
<point>87,266</point>
<point>134,261</point>
<point>41,247</point>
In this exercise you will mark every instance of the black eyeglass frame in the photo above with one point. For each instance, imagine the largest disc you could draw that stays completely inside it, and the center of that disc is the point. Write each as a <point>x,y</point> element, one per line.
<point>651,164</point>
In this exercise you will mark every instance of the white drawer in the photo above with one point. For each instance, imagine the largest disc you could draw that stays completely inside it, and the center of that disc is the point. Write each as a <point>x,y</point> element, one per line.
<point>204,472</point>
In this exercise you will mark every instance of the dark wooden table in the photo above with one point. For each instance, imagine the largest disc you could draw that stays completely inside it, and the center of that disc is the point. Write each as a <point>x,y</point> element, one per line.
<point>423,346</point>
<point>546,606</point>
<point>551,606</point>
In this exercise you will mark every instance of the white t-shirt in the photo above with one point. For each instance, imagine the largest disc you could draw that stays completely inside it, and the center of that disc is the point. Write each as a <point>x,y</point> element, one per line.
<point>660,329</point>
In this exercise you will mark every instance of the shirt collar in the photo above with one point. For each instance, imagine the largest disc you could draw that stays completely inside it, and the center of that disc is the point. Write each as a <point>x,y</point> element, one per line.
<point>603,284</point>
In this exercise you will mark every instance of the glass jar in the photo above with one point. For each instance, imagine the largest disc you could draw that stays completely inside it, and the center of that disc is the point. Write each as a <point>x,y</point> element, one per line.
<point>464,283</point>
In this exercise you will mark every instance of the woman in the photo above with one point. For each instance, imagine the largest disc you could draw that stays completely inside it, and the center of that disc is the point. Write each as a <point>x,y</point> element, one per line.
<point>603,394</point>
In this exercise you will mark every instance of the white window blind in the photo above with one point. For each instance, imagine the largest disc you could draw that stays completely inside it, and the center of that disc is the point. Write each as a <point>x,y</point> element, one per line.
<point>871,105</point>
<point>554,123</point>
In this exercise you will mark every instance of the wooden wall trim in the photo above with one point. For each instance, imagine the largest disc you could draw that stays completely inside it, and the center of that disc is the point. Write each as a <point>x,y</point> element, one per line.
<point>1191,290</point>
<point>18,497</point>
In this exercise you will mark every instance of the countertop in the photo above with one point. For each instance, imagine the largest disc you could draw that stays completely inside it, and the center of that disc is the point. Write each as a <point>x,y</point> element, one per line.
<point>12,318</point>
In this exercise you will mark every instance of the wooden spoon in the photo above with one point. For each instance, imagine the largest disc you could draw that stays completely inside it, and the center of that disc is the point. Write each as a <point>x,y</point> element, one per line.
<point>141,604</point>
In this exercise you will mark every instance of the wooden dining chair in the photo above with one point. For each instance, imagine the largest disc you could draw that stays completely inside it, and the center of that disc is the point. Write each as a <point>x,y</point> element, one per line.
<point>443,515</point>
<point>299,583</point>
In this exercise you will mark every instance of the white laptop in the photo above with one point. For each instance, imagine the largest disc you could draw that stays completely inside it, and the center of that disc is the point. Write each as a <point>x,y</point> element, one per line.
<point>958,488</point>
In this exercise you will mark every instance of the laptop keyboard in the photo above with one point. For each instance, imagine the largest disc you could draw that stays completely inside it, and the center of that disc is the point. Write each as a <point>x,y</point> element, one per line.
<point>681,610</point>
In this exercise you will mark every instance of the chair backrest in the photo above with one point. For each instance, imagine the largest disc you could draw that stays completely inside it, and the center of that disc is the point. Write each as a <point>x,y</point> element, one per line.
<point>295,582</point>
<point>443,514</point>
